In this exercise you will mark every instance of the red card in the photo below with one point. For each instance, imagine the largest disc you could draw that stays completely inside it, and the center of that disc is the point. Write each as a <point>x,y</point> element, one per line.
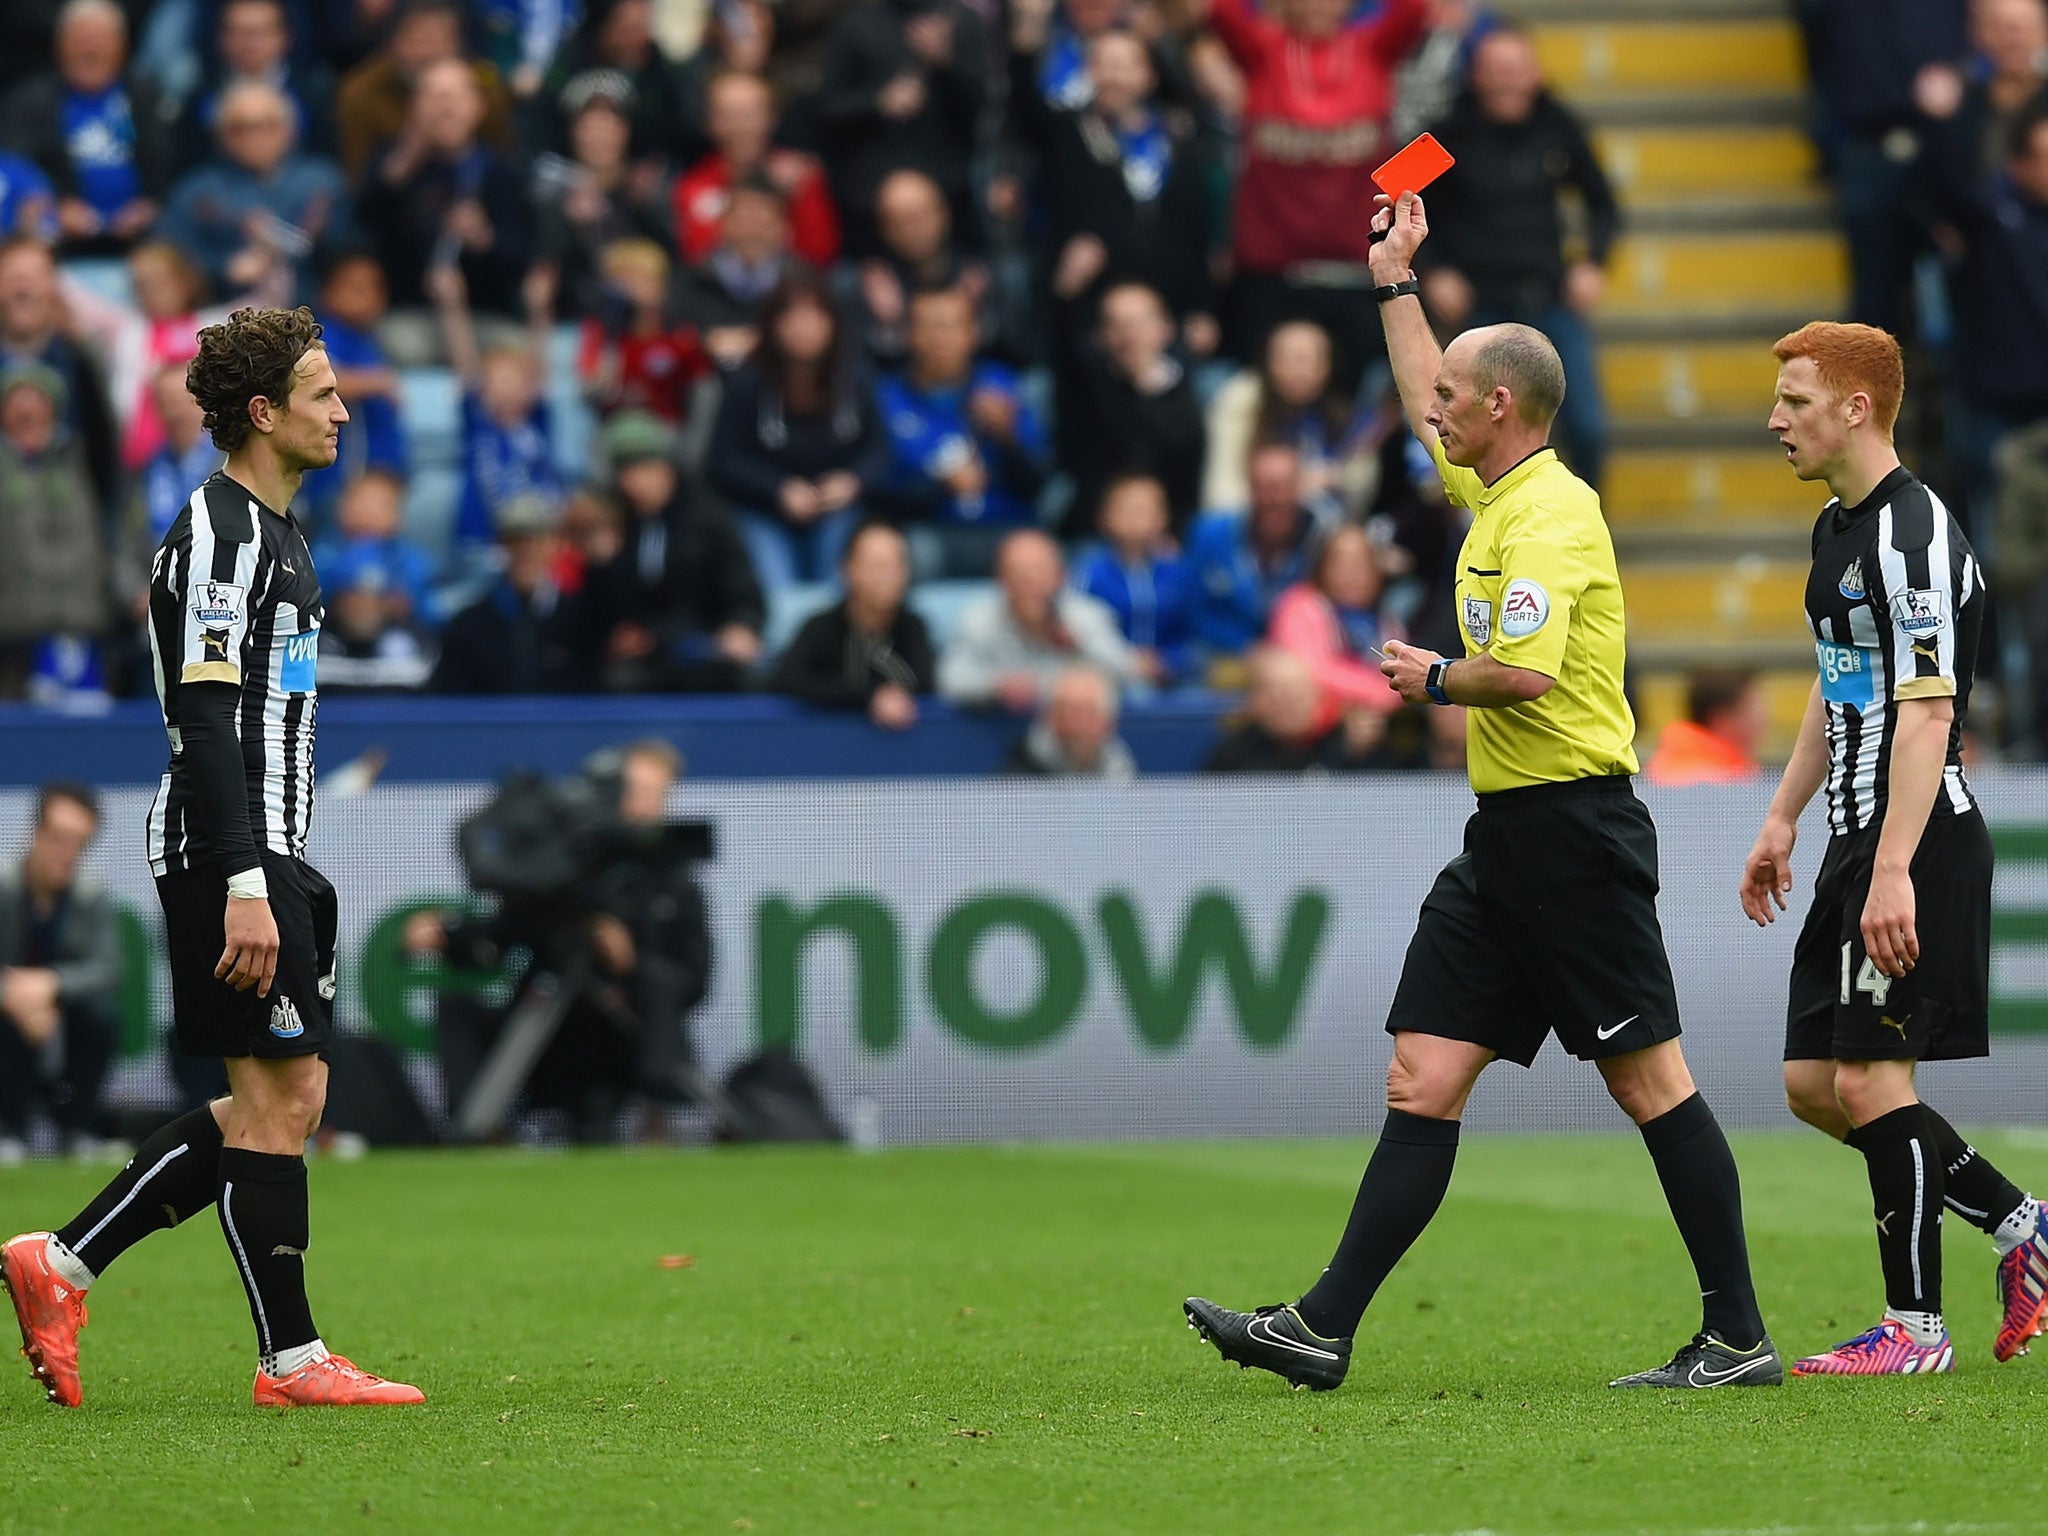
<point>1413,168</point>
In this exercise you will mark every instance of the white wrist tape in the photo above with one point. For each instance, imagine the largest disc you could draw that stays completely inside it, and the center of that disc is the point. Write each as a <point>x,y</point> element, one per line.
<point>250,885</point>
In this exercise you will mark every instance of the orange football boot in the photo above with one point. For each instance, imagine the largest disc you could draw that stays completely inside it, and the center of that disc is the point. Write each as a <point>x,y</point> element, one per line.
<point>332,1383</point>
<point>50,1310</point>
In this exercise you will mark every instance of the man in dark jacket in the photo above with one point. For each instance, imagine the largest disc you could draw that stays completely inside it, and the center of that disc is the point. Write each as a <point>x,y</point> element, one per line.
<point>1501,256</point>
<point>103,136</point>
<point>2000,292</point>
<point>1282,730</point>
<point>1868,58</point>
<point>681,597</point>
<point>525,635</point>
<point>439,194</point>
<point>722,295</point>
<point>1125,181</point>
<point>868,651</point>
<point>1127,407</point>
<point>60,976</point>
<point>641,935</point>
<point>905,83</point>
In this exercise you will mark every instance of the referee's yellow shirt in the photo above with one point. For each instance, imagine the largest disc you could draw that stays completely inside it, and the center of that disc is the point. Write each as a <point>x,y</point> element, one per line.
<point>1538,588</point>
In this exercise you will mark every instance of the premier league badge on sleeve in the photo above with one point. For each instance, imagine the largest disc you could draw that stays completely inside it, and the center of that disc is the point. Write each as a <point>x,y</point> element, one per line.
<point>216,602</point>
<point>1479,620</point>
<point>1918,612</point>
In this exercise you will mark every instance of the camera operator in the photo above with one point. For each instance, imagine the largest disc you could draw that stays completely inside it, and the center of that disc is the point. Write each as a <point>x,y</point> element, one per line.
<point>626,949</point>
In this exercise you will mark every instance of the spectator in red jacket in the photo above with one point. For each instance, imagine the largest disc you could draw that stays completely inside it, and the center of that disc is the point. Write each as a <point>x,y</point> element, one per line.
<point>637,352</point>
<point>741,117</point>
<point>1318,93</point>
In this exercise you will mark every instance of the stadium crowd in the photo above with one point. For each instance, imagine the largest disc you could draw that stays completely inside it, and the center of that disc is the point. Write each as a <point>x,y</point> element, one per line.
<point>645,309</point>
<point>860,351</point>
<point>1931,117</point>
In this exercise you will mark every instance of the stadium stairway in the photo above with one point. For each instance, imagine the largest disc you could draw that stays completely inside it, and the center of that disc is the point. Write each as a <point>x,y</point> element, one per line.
<point>1730,240</point>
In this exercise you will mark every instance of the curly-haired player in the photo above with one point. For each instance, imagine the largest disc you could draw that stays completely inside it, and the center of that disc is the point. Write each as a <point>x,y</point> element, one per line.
<point>234,627</point>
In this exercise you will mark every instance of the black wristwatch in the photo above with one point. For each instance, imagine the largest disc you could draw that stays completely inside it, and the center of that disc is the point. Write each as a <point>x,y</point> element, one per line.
<point>1433,682</point>
<point>1400,290</point>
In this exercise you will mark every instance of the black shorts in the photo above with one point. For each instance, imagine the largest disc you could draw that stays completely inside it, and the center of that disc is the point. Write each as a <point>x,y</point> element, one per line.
<point>1843,1008</point>
<point>213,1019</point>
<point>1547,922</point>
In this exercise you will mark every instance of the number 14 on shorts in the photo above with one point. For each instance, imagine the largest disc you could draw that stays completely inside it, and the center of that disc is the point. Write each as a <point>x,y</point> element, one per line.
<point>1870,979</point>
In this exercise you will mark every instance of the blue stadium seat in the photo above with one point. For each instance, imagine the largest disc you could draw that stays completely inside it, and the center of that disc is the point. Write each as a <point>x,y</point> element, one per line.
<point>430,501</point>
<point>788,610</point>
<point>106,276</point>
<point>433,417</point>
<point>940,604</point>
<point>574,423</point>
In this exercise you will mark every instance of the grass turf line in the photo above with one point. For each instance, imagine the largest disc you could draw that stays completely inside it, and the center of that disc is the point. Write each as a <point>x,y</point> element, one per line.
<point>988,1340</point>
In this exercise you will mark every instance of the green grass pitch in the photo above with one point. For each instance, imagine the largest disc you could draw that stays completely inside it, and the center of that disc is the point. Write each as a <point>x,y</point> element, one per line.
<point>989,1340</point>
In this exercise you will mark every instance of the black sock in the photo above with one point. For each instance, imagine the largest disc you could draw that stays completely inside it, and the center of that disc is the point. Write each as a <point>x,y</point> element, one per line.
<point>264,1215</point>
<point>174,1175</point>
<point>1704,1191</point>
<point>1906,1188</point>
<point>1971,1186</point>
<point>1404,1183</point>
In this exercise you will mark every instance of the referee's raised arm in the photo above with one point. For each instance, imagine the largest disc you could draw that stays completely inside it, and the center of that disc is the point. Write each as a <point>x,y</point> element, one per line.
<point>1411,345</point>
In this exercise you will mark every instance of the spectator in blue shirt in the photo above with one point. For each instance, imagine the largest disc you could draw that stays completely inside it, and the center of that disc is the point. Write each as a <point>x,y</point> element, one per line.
<point>524,36</point>
<point>259,204</point>
<point>507,449</point>
<point>969,453</point>
<point>101,136</point>
<point>353,299</point>
<point>1241,562</point>
<point>1143,578</point>
<point>368,529</point>
<point>28,203</point>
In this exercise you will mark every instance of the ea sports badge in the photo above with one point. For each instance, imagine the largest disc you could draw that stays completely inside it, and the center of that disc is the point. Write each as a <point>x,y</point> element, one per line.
<point>1479,620</point>
<point>1524,608</point>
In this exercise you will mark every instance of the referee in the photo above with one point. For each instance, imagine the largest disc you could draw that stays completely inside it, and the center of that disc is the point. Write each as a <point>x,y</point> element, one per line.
<point>1548,919</point>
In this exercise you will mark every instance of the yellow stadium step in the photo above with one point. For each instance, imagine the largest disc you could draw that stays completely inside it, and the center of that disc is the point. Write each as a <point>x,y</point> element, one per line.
<point>1669,163</point>
<point>1748,601</point>
<point>1591,58</point>
<point>1660,698</point>
<point>1803,272</point>
<point>1689,381</point>
<point>1650,486</point>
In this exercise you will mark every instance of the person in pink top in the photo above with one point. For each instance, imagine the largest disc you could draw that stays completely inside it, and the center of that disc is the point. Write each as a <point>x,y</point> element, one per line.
<point>1332,622</point>
<point>1318,91</point>
<point>158,329</point>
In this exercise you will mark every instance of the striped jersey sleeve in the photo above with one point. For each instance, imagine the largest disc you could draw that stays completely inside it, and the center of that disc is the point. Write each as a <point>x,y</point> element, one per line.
<point>213,587</point>
<point>1924,579</point>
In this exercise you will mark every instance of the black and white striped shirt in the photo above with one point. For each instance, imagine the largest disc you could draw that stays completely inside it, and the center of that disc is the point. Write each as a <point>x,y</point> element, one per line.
<point>1895,602</point>
<point>234,633</point>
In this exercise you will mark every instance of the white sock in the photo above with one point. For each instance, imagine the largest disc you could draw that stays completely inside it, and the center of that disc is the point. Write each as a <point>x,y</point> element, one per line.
<point>286,1361</point>
<point>71,1269</point>
<point>2017,1227</point>
<point>1923,1328</point>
